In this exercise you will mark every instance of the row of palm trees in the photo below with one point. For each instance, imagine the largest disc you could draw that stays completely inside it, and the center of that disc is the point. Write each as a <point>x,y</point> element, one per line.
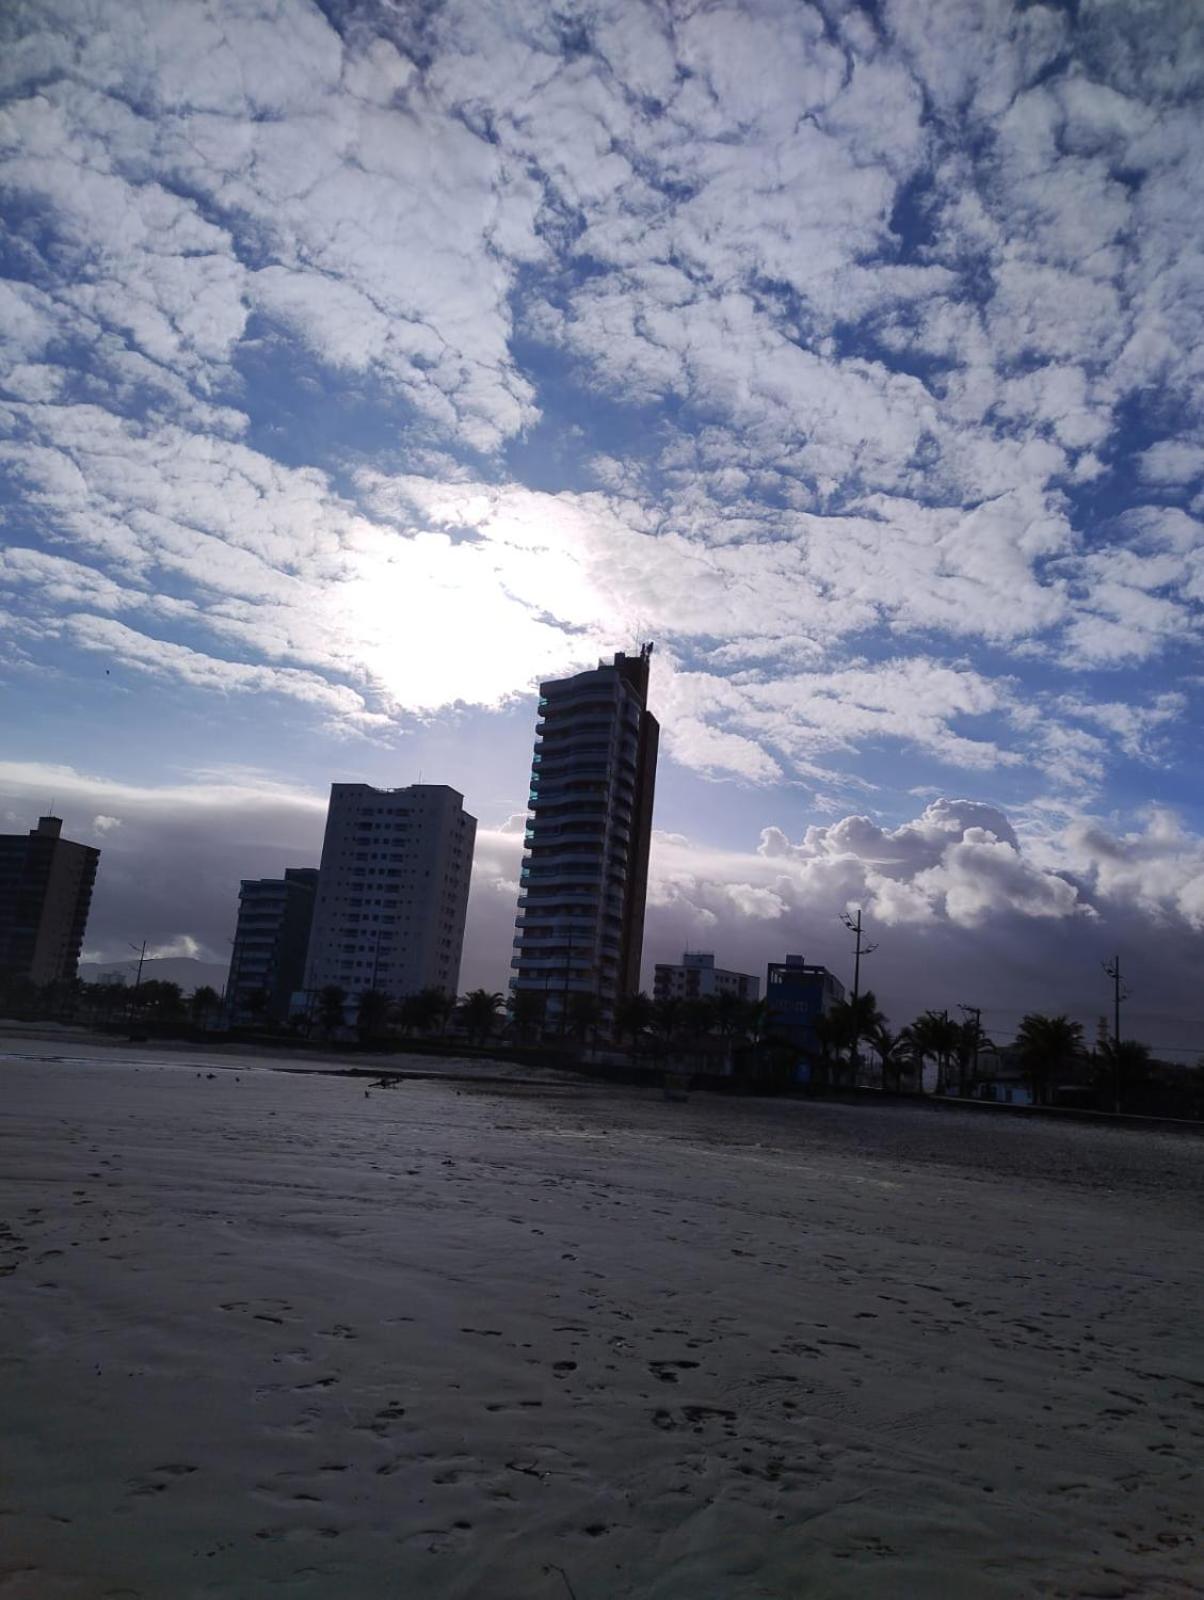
<point>853,1040</point>
<point>1048,1050</point>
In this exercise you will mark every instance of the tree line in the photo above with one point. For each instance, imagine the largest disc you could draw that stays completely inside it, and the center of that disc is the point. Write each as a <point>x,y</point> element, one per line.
<point>853,1041</point>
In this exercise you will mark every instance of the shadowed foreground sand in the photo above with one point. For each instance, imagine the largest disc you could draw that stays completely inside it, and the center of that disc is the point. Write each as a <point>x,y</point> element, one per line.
<point>264,1333</point>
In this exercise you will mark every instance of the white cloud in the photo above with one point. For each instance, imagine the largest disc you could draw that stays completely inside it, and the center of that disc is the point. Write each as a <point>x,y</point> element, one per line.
<point>126,647</point>
<point>1173,461</point>
<point>1158,869</point>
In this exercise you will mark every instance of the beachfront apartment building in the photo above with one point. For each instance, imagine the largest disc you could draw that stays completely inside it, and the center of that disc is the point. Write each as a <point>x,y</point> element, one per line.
<point>45,894</point>
<point>584,878</point>
<point>797,993</point>
<point>271,942</point>
<point>392,891</point>
<point>696,977</point>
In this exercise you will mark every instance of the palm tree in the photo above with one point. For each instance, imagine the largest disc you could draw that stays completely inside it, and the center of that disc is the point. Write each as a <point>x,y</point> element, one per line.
<point>729,1019</point>
<point>756,1019</point>
<point>372,1013</point>
<point>697,1016</point>
<point>831,1035</point>
<point>203,1004</point>
<point>890,1049</point>
<point>528,1008</point>
<point>666,1019</point>
<point>332,1004</point>
<point>633,1015</point>
<point>729,1014</point>
<point>479,1010</point>
<point>1125,1065</point>
<point>422,1011</point>
<point>1047,1045</point>
<point>933,1037</point>
<point>583,1013</point>
<point>970,1040</point>
<point>862,1018</point>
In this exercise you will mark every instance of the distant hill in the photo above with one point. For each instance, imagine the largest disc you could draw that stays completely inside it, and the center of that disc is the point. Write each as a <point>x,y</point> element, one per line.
<point>184,970</point>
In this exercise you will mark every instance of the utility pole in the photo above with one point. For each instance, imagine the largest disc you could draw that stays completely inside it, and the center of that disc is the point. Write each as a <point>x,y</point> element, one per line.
<point>1119,993</point>
<point>976,1013</point>
<point>860,948</point>
<point>141,953</point>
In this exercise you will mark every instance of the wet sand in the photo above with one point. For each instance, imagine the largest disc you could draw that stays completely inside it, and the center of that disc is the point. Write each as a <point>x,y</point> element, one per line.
<point>267,1332</point>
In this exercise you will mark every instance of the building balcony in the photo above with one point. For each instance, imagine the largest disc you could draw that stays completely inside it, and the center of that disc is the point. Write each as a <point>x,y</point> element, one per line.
<point>581,806</point>
<point>589,860</point>
<point>580,724</point>
<point>585,837</point>
<point>575,857</point>
<point>588,764</point>
<point>588,696</point>
<point>541,985</point>
<point>572,884</point>
<point>546,962</point>
<point>559,937</point>
<point>557,789</point>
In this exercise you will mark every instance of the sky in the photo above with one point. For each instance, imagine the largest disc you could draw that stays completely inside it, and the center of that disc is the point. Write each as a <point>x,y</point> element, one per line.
<point>363,365</point>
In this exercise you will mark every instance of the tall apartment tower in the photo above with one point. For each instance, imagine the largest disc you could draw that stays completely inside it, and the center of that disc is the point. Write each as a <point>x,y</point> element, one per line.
<point>585,876</point>
<point>392,890</point>
<point>271,942</point>
<point>45,893</point>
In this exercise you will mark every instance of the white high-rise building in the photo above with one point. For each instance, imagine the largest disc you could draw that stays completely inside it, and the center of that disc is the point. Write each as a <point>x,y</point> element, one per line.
<point>392,890</point>
<point>696,977</point>
<point>584,878</point>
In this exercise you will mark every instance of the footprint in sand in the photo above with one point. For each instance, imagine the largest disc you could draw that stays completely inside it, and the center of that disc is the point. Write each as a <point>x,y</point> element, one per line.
<point>665,1370</point>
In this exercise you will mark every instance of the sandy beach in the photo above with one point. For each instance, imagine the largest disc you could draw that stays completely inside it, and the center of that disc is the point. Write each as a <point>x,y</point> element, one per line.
<point>277,1333</point>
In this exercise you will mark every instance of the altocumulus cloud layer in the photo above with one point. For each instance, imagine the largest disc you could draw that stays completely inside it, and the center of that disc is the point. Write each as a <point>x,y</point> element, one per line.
<point>373,362</point>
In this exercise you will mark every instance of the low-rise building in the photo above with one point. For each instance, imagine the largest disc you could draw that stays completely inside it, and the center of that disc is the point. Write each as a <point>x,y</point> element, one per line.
<point>797,993</point>
<point>696,977</point>
<point>267,964</point>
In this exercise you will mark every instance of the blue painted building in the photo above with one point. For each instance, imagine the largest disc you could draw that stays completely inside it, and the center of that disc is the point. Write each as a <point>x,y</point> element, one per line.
<point>796,993</point>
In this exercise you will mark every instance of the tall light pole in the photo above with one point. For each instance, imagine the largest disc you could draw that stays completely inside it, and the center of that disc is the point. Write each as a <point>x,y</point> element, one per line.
<point>976,1013</point>
<point>860,948</point>
<point>1119,993</point>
